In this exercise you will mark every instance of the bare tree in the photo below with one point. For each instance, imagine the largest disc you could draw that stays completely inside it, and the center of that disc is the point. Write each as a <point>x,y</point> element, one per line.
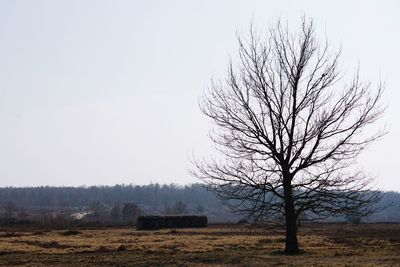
<point>116,212</point>
<point>179,208</point>
<point>98,208</point>
<point>130,212</point>
<point>289,129</point>
<point>10,208</point>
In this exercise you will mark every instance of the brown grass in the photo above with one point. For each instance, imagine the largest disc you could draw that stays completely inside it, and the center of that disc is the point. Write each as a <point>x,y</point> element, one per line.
<point>323,245</point>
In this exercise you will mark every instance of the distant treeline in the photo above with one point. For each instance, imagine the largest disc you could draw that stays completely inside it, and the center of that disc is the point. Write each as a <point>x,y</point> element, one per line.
<point>391,212</point>
<point>152,195</point>
<point>195,197</point>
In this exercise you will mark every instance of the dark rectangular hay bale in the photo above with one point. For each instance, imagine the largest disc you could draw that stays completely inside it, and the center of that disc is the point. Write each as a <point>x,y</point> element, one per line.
<point>181,221</point>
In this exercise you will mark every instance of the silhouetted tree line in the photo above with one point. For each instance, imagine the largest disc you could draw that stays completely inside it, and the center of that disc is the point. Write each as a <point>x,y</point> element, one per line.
<point>151,195</point>
<point>121,203</point>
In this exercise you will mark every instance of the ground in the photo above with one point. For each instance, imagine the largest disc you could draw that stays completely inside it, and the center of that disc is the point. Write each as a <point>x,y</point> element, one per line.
<point>218,245</point>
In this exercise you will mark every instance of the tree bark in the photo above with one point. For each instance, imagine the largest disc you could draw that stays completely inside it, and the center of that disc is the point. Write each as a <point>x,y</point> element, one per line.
<point>292,245</point>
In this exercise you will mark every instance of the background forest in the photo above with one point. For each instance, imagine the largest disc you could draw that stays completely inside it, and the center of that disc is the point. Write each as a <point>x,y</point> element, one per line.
<point>121,204</point>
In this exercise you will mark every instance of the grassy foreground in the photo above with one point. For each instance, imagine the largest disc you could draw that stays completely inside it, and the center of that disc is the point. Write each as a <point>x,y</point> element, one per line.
<point>324,245</point>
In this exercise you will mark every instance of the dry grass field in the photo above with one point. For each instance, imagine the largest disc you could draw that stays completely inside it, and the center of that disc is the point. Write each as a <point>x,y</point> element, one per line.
<point>324,245</point>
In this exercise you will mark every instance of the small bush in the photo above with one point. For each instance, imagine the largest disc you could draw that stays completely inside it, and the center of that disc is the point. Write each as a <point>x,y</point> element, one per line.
<point>173,231</point>
<point>242,221</point>
<point>103,249</point>
<point>121,248</point>
<point>70,232</point>
<point>354,219</point>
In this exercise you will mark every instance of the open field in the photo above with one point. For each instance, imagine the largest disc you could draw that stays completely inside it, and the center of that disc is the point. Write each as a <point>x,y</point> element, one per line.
<point>324,245</point>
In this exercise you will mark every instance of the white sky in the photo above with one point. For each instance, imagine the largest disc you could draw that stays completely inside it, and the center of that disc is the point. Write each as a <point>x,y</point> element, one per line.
<point>106,92</point>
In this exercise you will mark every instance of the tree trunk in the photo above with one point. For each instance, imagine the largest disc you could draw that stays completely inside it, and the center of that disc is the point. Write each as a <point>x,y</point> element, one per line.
<point>292,246</point>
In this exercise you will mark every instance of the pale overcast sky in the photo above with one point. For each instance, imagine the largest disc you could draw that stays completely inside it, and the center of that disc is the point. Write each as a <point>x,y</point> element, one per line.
<point>106,92</point>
